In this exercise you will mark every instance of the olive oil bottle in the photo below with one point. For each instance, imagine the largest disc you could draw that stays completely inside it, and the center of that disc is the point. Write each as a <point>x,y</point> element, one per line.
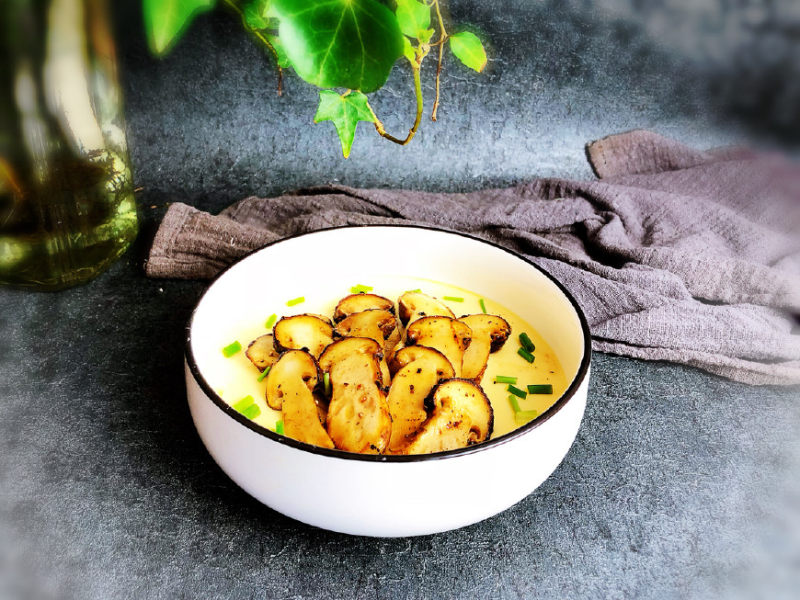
<point>67,209</point>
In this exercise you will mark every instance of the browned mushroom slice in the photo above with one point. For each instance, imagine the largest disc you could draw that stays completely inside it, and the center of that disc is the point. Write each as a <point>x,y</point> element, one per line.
<point>341,349</point>
<point>462,416</point>
<point>294,364</point>
<point>303,332</point>
<point>261,352</point>
<point>289,387</point>
<point>358,416</point>
<point>355,345</point>
<point>355,303</point>
<point>417,370</point>
<point>415,305</point>
<point>489,333</point>
<point>374,323</point>
<point>448,336</point>
<point>377,324</point>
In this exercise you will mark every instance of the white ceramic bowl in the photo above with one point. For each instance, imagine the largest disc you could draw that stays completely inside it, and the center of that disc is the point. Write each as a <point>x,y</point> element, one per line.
<point>387,495</point>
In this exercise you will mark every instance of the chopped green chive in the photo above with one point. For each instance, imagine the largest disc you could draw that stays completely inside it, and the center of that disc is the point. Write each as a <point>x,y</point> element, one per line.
<point>251,412</point>
<point>243,403</point>
<point>231,349</point>
<point>544,388</point>
<point>453,298</point>
<point>526,355</point>
<point>279,427</point>
<point>359,289</point>
<point>504,379</point>
<point>482,305</point>
<point>524,416</point>
<point>526,342</point>
<point>416,291</point>
<point>514,403</point>
<point>326,383</point>
<point>516,391</point>
<point>271,321</point>
<point>247,407</point>
<point>296,301</point>
<point>264,373</point>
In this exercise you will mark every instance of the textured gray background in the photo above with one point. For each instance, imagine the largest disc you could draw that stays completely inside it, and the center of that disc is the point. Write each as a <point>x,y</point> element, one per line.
<point>679,485</point>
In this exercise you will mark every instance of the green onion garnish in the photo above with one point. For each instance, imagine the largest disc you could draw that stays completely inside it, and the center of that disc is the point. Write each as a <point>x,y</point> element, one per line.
<point>247,407</point>
<point>516,391</point>
<point>358,289</point>
<point>514,403</point>
<point>296,301</point>
<point>231,349</point>
<point>526,355</point>
<point>416,291</point>
<point>543,388</point>
<point>526,342</point>
<point>271,321</point>
<point>453,298</point>
<point>279,427</point>
<point>482,305</point>
<point>243,403</point>
<point>326,383</point>
<point>251,412</point>
<point>524,416</point>
<point>504,379</point>
<point>264,373</point>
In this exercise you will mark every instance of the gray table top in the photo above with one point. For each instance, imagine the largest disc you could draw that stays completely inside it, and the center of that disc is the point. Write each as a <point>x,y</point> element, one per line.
<point>679,484</point>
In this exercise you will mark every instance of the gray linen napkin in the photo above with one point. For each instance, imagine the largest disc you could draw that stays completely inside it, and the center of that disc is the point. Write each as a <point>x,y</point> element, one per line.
<point>673,254</point>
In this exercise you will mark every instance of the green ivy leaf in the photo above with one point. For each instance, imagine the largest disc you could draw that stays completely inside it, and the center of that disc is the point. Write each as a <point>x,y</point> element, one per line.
<point>425,35</point>
<point>469,50</point>
<point>414,17</point>
<point>345,112</point>
<point>408,50</point>
<point>340,43</point>
<point>165,21</point>
<point>255,14</point>
<point>283,60</point>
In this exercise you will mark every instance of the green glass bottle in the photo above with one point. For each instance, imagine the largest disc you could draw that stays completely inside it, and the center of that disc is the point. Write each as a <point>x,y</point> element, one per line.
<point>67,209</point>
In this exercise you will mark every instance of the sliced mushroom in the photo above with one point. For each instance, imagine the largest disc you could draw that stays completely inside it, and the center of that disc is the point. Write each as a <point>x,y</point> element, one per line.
<point>417,370</point>
<point>415,305</point>
<point>448,336</point>
<point>377,324</point>
<point>294,364</point>
<point>462,416</point>
<point>374,323</point>
<point>489,333</point>
<point>289,387</point>
<point>358,416</point>
<point>355,303</point>
<point>341,348</point>
<point>261,352</point>
<point>303,332</point>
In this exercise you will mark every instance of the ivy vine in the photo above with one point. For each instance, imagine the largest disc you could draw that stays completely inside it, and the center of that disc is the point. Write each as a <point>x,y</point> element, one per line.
<point>347,48</point>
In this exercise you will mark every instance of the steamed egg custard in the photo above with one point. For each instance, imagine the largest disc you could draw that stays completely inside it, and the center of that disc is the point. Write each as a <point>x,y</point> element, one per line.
<point>400,366</point>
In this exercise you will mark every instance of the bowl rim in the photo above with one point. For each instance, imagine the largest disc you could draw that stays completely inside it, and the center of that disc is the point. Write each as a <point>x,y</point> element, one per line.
<point>392,458</point>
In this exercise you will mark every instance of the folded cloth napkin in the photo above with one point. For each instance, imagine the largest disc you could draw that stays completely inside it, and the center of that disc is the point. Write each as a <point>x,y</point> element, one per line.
<point>673,254</point>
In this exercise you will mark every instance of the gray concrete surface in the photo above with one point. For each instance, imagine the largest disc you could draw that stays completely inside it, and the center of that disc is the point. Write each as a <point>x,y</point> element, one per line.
<point>679,485</point>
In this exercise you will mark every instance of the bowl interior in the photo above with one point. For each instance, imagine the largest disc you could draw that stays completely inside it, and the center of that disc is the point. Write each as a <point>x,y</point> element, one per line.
<point>322,266</point>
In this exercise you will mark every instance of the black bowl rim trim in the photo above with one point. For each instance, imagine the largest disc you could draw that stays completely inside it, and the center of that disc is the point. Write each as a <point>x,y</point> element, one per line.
<point>383,458</point>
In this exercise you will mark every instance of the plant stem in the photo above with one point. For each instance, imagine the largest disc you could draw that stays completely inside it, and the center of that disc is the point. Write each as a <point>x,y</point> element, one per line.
<point>415,67</point>
<point>263,39</point>
<point>440,43</point>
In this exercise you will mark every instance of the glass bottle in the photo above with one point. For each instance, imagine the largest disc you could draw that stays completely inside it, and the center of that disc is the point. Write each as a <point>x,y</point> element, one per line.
<point>67,209</point>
